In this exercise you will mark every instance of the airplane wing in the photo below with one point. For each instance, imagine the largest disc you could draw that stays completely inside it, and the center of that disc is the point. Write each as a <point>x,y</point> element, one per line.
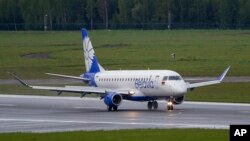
<point>75,89</point>
<point>80,89</point>
<point>197,78</point>
<point>67,76</point>
<point>205,83</point>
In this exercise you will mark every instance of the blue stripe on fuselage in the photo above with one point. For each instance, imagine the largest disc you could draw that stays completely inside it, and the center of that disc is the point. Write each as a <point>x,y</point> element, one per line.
<point>145,98</point>
<point>139,98</point>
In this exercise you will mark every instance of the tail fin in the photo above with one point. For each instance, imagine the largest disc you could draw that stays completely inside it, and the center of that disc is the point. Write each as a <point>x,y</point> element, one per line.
<point>91,62</point>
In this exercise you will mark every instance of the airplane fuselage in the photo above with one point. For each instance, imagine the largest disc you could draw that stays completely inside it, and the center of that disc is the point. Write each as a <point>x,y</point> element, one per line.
<point>158,83</point>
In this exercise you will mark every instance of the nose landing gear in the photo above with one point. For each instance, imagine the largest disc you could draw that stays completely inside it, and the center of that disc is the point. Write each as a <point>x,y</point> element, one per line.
<point>152,105</point>
<point>170,106</point>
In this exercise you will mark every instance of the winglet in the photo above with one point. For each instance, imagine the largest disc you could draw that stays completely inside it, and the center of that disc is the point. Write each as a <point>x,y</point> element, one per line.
<point>222,76</point>
<point>20,80</point>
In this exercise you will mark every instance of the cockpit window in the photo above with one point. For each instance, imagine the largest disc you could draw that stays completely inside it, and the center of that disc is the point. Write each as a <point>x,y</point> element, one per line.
<point>165,78</point>
<point>174,78</point>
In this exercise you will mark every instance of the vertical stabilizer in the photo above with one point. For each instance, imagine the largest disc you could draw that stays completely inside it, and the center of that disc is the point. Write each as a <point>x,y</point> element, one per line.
<point>91,63</point>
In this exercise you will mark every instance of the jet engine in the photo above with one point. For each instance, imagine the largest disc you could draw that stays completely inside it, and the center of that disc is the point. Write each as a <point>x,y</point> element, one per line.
<point>112,99</point>
<point>178,100</point>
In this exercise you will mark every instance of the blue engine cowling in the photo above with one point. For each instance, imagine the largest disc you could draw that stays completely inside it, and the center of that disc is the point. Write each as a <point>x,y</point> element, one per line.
<point>113,99</point>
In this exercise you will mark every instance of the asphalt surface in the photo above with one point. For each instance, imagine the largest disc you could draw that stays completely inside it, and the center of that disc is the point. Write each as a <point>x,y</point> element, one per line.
<point>46,114</point>
<point>228,79</point>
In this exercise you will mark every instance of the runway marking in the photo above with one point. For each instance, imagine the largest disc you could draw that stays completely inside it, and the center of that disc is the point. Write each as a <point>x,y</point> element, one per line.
<point>7,105</point>
<point>17,124</point>
<point>217,103</point>
<point>166,125</point>
<point>245,112</point>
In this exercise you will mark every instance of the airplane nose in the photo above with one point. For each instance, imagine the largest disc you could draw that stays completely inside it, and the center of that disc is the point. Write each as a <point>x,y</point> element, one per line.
<point>183,90</point>
<point>180,89</point>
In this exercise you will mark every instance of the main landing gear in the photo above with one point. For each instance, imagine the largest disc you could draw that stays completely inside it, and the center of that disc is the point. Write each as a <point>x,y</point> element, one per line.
<point>152,105</point>
<point>114,108</point>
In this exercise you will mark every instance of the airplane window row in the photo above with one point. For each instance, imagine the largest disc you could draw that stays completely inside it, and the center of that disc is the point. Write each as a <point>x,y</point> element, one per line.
<point>123,79</point>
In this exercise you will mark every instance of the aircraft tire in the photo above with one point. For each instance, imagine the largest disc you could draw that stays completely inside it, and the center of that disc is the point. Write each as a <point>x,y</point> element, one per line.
<point>170,107</point>
<point>109,108</point>
<point>150,105</point>
<point>115,108</point>
<point>155,105</point>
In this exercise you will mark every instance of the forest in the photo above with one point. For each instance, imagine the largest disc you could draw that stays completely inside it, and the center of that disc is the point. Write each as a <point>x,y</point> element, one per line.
<point>124,14</point>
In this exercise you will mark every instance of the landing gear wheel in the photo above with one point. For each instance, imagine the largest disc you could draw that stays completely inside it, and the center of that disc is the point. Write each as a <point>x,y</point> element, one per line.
<point>155,105</point>
<point>170,107</point>
<point>150,105</point>
<point>109,108</point>
<point>115,108</point>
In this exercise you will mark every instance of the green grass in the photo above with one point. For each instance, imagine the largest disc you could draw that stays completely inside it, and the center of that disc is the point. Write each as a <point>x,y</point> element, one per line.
<point>124,135</point>
<point>225,92</point>
<point>198,52</point>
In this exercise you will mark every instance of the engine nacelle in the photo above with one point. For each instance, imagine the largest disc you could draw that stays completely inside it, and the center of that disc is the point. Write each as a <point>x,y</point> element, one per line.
<point>113,99</point>
<point>178,100</point>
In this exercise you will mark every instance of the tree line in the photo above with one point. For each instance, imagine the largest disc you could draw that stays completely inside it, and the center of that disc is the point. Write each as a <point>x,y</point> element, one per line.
<point>123,14</point>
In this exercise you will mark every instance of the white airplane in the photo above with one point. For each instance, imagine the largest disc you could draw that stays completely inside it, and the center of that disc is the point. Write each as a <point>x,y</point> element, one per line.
<point>135,85</point>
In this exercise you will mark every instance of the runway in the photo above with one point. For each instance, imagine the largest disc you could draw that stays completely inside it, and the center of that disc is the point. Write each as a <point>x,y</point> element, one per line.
<point>46,114</point>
